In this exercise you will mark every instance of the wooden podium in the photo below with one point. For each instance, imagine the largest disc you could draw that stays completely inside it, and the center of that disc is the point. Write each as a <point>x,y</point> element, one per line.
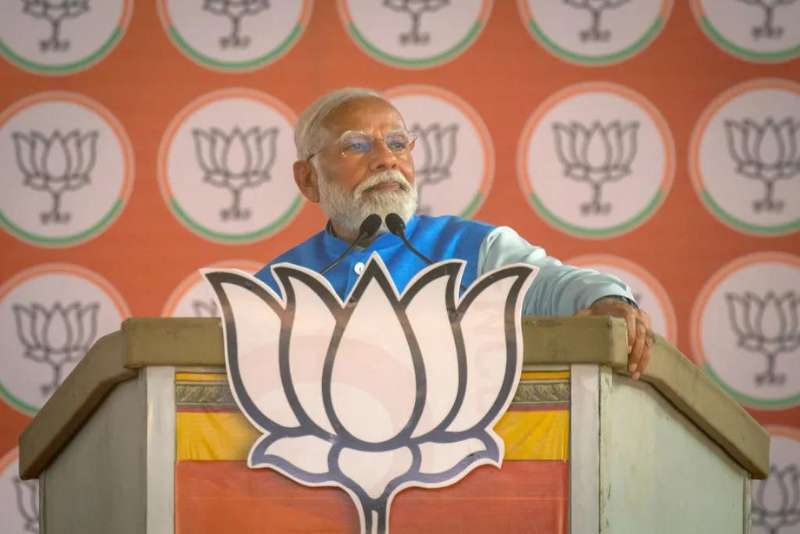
<point>144,437</point>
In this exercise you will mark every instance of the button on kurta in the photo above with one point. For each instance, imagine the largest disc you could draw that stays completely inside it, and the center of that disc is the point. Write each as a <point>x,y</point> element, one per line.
<point>358,268</point>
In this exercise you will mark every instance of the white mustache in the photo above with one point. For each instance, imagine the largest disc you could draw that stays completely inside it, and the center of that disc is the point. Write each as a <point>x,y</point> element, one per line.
<point>391,176</point>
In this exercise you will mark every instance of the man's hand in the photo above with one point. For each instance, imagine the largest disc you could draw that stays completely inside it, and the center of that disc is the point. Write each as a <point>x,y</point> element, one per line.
<point>640,337</point>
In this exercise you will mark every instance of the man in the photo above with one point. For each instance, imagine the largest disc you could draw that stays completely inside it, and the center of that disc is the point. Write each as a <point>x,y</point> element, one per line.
<point>354,159</point>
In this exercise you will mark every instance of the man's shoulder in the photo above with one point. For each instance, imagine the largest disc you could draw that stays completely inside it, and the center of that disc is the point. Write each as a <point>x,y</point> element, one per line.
<point>298,254</point>
<point>451,223</point>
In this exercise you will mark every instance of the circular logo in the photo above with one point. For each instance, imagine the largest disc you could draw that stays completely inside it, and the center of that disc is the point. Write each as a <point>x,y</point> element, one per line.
<point>596,160</point>
<point>50,316</point>
<point>595,33</point>
<point>68,169</point>
<point>224,166</point>
<point>758,31</point>
<point>453,155</point>
<point>61,37</point>
<point>745,157</point>
<point>19,499</point>
<point>194,297</point>
<point>414,34</point>
<point>745,329</point>
<point>231,35</point>
<point>776,500</point>
<point>647,290</point>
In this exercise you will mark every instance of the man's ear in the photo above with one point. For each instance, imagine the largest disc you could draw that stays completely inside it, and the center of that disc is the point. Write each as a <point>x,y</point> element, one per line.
<point>306,179</point>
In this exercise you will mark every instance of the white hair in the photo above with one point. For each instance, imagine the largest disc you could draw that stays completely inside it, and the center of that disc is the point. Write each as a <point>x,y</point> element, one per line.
<point>308,132</point>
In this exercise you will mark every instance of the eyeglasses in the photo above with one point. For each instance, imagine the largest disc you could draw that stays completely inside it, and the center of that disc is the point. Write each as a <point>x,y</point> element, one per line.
<point>355,143</point>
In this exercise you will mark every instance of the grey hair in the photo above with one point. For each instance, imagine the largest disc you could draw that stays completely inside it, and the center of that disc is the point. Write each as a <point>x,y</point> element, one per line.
<point>308,132</point>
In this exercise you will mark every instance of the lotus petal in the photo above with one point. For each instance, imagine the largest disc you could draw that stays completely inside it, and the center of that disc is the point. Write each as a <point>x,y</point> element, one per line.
<point>597,151</point>
<point>736,137</point>
<point>309,343</point>
<point>306,453</point>
<point>87,323</point>
<point>23,318</point>
<point>56,329</point>
<point>56,160</point>
<point>23,149</point>
<point>367,365</point>
<point>236,159</point>
<point>252,356</point>
<point>491,310</point>
<point>439,458</point>
<point>87,148</point>
<point>432,325</point>
<point>373,471</point>
<point>737,313</point>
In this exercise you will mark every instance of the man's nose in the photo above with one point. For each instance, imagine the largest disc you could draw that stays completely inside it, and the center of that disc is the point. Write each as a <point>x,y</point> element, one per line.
<point>381,158</point>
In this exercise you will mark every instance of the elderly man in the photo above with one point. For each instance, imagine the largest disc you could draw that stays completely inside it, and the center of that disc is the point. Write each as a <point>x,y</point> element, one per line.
<point>354,159</point>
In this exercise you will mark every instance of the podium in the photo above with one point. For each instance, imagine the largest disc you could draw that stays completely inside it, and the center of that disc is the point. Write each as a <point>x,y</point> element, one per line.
<point>144,437</point>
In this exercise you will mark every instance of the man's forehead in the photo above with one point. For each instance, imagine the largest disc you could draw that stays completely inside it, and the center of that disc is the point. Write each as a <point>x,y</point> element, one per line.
<point>363,114</point>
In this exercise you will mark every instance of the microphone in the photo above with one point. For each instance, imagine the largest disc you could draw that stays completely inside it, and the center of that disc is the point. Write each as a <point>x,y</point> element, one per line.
<point>367,229</point>
<point>396,225</point>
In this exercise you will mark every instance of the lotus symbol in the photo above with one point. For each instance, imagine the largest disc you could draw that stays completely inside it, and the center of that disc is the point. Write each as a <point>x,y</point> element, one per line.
<point>55,12</point>
<point>438,145</point>
<point>338,405</point>
<point>205,308</point>
<point>235,161</point>
<point>768,29</point>
<point>597,154</point>
<point>766,325</point>
<point>235,10</point>
<point>595,9</point>
<point>776,500</point>
<point>56,336</point>
<point>27,492</point>
<point>56,164</point>
<point>415,9</point>
<point>767,152</point>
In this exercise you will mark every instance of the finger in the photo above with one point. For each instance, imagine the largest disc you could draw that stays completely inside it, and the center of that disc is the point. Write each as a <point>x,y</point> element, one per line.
<point>630,320</point>
<point>635,358</point>
<point>648,351</point>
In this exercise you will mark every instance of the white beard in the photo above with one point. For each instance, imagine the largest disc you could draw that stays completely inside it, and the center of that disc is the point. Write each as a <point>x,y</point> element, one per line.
<point>348,210</point>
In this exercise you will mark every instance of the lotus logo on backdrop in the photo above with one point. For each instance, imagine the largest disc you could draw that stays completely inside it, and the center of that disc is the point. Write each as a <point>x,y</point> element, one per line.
<point>766,152</point>
<point>55,13</point>
<point>61,36</point>
<point>745,329</point>
<point>415,9</point>
<point>414,34</point>
<point>613,146</point>
<point>235,11</point>
<point>595,32</point>
<point>193,297</point>
<point>437,145</point>
<point>753,30</point>
<point>744,157</point>
<point>596,160</point>
<point>766,325</point>
<point>19,499</point>
<point>225,166</point>
<point>50,316</point>
<point>338,406</point>
<point>648,291</point>
<point>236,161</point>
<point>69,169</point>
<point>776,500</point>
<point>234,35</point>
<point>56,164</point>
<point>453,156</point>
<point>56,336</point>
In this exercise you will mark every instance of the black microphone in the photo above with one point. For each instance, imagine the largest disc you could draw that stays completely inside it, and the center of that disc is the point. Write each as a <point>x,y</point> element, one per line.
<point>367,229</point>
<point>396,225</point>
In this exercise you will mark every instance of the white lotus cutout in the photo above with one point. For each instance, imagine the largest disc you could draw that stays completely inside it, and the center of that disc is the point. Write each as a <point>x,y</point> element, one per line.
<point>382,391</point>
